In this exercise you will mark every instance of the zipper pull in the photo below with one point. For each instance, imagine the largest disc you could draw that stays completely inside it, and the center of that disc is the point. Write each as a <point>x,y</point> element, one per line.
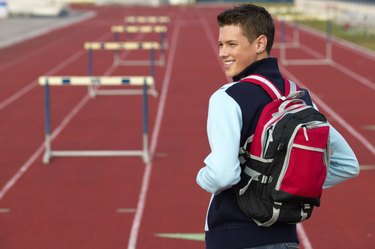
<point>305,133</point>
<point>270,137</point>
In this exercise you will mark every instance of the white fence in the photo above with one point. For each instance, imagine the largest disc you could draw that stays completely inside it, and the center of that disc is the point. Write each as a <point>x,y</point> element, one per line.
<point>37,7</point>
<point>57,7</point>
<point>351,14</point>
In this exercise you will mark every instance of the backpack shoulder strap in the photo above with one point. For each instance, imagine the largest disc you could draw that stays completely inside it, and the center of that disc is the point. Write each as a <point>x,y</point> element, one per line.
<point>290,87</point>
<point>267,85</point>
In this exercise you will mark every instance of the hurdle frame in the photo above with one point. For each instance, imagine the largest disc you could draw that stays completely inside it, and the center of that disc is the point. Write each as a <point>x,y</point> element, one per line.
<point>295,43</point>
<point>48,81</point>
<point>327,60</point>
<point>116,46</point>
<point>130,29</point>
<point>147,19</point>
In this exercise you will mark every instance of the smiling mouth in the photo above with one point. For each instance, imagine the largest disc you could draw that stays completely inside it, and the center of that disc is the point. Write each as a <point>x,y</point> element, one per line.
<point>228,63</point>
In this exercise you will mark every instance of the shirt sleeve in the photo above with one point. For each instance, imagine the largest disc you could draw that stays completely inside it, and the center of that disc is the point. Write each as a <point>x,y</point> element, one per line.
<point>343,163</point>
<point>222,167</point>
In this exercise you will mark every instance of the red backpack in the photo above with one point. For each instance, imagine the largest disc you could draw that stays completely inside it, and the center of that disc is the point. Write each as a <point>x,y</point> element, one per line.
<point>285,161</point>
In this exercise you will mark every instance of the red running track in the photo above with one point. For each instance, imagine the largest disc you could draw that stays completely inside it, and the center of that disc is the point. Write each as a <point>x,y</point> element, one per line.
<point>122,203</point>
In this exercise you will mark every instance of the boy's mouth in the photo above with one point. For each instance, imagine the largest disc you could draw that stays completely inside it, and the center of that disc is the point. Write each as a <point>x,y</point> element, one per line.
<point>228,63</point>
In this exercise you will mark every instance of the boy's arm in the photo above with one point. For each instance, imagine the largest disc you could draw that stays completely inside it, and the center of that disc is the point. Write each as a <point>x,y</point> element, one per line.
<point>224,123</point>
<point>343,162</point>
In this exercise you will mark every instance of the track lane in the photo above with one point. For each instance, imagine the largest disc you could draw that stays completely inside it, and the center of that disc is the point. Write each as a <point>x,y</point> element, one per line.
<point>78,199</point>
<point>70,211</point>
<point>179,203</point>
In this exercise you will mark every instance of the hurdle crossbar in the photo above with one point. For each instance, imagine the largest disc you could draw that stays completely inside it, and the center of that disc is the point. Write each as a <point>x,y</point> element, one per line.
<point>122,45</point>
<point>327,60</point>
<point>117,46</point>
<point>48,81</point>
<point>301,17</point>
<point>147,19</point>
<point>295,41</point>
<point>139,29</point>
<point>96,80</point>
<point>130,29</point>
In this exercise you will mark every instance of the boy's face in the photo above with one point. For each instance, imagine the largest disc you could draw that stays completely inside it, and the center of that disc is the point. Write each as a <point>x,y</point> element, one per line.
<point>235,49</point>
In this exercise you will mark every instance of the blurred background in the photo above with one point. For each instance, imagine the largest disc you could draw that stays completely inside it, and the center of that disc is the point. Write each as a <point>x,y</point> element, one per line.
<point>101,203</point>
<point>351,20</point>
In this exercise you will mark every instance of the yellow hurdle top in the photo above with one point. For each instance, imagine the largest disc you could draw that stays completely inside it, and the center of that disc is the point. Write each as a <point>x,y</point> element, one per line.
<point>95,80</point>
<point>139,29</point>
<point>147,19</point>
<point>122,45</point>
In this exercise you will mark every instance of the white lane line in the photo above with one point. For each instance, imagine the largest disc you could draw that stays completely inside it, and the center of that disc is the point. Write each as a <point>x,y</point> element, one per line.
<point>155,134</point>
<point>4,210</point>
<point>303,237</point>
<point>366,167</point>
<point>34,83</point>
<point>357,77</point>
<point>11,182</point>
<point>369,127</point>
<point>364,81</point>
<point>359,50</point>
<point>126,210</point>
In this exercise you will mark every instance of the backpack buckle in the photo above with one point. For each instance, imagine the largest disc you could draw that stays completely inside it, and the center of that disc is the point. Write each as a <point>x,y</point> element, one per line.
<point>244,156</point>
<point>266,179</point>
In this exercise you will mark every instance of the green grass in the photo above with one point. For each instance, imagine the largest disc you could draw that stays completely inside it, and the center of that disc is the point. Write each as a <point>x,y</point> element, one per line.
<point>353,35</point>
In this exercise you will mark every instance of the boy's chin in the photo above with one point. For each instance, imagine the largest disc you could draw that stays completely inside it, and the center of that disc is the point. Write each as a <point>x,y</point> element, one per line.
<point>229,73</point>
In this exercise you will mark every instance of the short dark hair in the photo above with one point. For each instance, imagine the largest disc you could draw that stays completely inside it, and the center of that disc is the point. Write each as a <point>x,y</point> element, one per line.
<point>254,21</point>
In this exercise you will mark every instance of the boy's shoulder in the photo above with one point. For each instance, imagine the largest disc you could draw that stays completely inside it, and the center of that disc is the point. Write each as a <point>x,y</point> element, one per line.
<point>237,86</point>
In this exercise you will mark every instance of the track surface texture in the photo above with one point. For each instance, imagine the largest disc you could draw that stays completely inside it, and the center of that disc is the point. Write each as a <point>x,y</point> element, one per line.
<point>122,203</point>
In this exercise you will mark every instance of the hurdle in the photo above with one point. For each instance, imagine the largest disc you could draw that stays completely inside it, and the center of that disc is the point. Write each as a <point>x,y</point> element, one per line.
<point>295,41</point>
<point>130,29</point>
<point>327,60</point>
<point>48,81</point>
<point>147,19</point>
<point>116,46</point>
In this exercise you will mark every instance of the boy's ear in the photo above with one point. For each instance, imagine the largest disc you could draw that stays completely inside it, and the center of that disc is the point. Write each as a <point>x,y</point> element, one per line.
<point>261,44</point>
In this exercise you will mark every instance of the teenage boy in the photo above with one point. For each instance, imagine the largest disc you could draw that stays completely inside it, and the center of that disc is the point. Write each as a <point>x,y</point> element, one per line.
<point>246,35</point>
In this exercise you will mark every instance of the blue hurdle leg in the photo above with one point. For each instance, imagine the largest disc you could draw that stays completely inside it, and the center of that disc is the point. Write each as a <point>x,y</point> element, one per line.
<point>282,43</point>
<point>152,62</point>
<point>47,123</point>
<point>162,49</point>
<point>329,40</point>
<point>146,153</point>
<point>152,71</point>
<point>90,71</point>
